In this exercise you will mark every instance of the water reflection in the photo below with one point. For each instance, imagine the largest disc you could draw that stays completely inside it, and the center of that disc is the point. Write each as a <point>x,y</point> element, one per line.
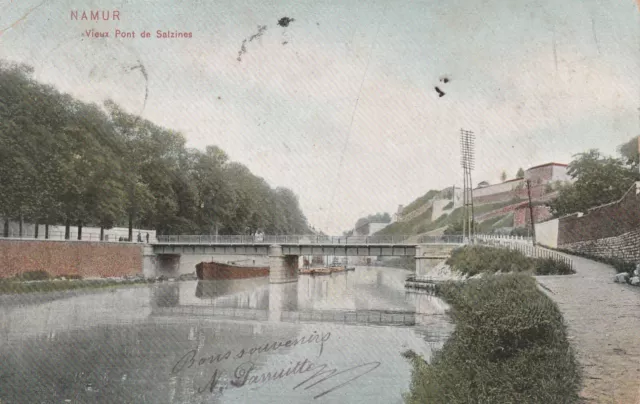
<point>124,345</point>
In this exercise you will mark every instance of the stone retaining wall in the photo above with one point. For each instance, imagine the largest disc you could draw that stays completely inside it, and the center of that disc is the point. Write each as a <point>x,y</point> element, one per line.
<point>625,247</point>
<point>611,230</point>
<point>83,258</point>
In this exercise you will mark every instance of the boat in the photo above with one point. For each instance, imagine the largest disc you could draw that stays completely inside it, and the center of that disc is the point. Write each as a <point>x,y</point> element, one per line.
<point>218,270</point>
<point>321,271</point>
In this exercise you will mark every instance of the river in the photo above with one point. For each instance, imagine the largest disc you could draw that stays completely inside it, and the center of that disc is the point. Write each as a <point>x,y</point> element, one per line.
<point>328,339</point>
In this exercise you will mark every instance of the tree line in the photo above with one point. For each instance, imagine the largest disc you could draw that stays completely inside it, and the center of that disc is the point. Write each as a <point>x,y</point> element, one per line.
<point>63,161</point>
<point>598,179</point>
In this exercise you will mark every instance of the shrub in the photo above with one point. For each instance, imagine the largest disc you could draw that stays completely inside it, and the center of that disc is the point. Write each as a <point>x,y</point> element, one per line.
<point>549,266</point>
<point>509,346</point>
<point>33,276</point>
<point>472,260</point>
<point>475,259</point>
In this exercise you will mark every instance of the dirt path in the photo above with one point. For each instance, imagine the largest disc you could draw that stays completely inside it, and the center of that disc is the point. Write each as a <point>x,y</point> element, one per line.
<point>603,318</point>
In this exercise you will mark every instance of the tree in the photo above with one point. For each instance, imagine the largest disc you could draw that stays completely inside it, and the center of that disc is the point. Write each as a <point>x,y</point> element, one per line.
<point>503,176</point>
<point>598,180</point>
<point>63,160</point>
<point>456,228</point>
<point>630,152</point>
<point>520,173</point>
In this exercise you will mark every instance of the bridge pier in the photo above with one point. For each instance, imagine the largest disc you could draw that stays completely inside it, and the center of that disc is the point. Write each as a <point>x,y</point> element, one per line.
<point>282,268</point>
<point>149,262</point>
<point>428,256</point>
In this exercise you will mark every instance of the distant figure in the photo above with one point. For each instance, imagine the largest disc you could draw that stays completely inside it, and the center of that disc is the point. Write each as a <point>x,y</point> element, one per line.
<point>147,238</point>
<point>139,237</point>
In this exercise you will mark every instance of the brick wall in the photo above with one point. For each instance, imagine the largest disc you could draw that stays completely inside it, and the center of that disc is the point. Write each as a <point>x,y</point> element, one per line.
<point>611,230</point>
<point>522,215</point>
<point>69,258</point>
<point>604,221</point>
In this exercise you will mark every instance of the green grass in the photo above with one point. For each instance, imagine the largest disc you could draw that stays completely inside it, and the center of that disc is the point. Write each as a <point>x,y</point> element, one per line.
<point>472,260</point>
<point>509,346</point>
<point>423,224</point>
<point>16,286</point>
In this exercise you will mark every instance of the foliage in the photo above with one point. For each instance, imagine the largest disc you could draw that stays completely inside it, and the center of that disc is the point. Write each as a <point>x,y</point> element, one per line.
<point>65,161</point>
<point>448,206</point>
<point>33,276</point>
<point>503,176</point>
<point>457,227</point>
<point>420,201</point>
<point>629,153</point>
<point>520,173</point>
<point>521,231</point>
<point>362,225</point>
<point>472,260</point>
<point>509,346</point>
<point>598,181</point>
<point>9,286</point>
<point>549,266</point>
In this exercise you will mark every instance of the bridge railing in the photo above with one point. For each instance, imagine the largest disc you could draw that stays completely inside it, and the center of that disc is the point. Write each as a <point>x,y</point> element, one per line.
<point>305,239</point>
<point>444,239</point>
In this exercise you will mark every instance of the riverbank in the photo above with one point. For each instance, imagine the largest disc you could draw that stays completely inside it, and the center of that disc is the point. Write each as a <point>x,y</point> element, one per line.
<point>510,345</point>
<point>603,322</point>
<point>15,286</point>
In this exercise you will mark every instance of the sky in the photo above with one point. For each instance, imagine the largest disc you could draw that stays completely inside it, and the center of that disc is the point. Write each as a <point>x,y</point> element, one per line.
<point>340,105</point>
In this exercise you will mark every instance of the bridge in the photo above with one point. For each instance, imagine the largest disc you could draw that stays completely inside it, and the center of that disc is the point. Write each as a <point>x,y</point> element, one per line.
<point>283,251</point>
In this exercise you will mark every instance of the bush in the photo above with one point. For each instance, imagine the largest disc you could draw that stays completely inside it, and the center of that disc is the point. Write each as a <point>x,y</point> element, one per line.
<point>509,346</point>
<point>549,266</point>
<point>472,260</point>
<point>33,276</point>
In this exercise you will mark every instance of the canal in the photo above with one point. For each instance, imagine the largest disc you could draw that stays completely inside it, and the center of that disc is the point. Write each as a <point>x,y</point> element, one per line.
<point>329,338</point>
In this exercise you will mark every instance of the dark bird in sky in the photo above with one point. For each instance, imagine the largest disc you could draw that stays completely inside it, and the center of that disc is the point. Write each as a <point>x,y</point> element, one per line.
<point>440,92</point>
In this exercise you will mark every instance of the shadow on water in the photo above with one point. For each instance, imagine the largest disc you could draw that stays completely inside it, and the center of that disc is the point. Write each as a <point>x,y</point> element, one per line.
<point>125,346</point>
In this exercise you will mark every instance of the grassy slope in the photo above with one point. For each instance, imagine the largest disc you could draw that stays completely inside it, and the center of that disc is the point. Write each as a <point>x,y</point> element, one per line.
<point>509,346</point>
<point>422,223</point>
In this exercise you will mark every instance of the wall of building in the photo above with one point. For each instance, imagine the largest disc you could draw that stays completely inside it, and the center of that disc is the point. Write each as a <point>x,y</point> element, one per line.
<point>69,258</point>
<point>508,186</point>
<point>547,233</point>
<point>560,174</point>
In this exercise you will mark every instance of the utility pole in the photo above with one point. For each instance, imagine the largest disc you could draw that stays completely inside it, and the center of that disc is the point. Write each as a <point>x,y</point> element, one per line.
<point>533,226</point>
<point>467,161</point>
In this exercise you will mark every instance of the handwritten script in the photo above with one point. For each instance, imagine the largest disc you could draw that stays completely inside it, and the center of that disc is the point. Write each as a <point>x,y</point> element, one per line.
<point>325,377</point>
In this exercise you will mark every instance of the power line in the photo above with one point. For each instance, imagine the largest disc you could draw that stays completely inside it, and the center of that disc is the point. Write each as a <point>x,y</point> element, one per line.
<point>353,114</point>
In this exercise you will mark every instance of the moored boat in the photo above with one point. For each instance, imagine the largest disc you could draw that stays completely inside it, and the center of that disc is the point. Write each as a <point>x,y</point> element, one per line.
<point>321,271</point>
<point>217,270</point>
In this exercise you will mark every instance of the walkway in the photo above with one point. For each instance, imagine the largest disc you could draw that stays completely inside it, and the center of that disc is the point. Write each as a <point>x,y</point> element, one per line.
<point>603,318</point>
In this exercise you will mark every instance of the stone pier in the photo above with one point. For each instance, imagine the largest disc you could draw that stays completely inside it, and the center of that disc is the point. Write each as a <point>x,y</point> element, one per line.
<point>428,256</point>
<point>282,268</point>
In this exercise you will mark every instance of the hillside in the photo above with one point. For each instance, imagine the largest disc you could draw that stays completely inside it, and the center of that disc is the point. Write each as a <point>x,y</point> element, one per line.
<point>424,222</point>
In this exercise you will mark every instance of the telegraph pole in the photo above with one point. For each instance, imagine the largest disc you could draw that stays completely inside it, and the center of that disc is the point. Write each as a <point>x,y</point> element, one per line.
<point>467,161</point>
<point>533,226</point>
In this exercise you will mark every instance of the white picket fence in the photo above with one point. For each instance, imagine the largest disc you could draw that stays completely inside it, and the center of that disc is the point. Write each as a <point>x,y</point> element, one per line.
<point>529,250</point>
